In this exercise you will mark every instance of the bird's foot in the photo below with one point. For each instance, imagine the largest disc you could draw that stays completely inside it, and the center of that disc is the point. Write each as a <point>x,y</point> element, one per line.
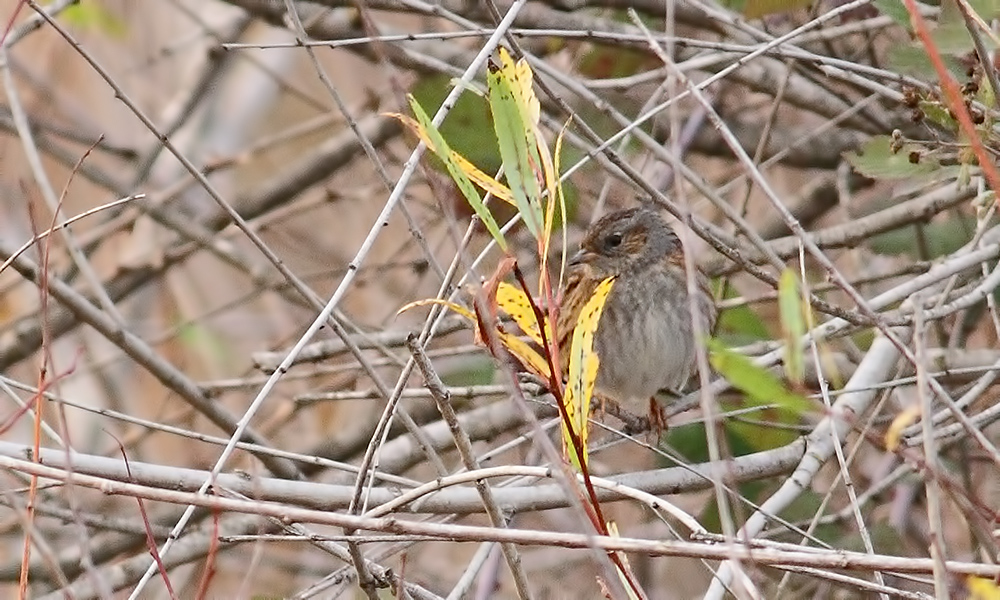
<point>657,417</point>
<point>633,424</point>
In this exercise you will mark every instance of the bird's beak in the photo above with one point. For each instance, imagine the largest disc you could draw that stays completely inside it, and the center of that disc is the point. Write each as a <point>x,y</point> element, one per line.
<point>582,256</point>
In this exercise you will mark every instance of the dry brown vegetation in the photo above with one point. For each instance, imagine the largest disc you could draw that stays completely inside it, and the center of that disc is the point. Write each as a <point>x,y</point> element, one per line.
<point>265,189</point>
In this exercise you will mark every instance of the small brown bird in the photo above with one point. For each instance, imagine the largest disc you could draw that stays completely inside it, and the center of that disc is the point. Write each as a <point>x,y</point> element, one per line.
<point>644,339</point>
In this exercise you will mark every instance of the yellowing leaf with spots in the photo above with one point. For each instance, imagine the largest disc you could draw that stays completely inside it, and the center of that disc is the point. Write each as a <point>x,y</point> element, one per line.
<point>518,75</point>
<point>583,364</point>
<point>521,84</point>
<point>515,120</point>
<point>513,301</point>
<point>528,356</point>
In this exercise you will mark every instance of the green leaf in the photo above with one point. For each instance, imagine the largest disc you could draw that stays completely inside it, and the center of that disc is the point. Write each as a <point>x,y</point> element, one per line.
<point>885,539</point>
<point>940,238</point>
<point>480,370</point>
<point>985,94</point>
<point>709,516</point>
<point>912,60</point>
<point>894,9</point>
<point>987,9</point>
<point>804,508</point>
<point>752,432</point>
<point>443,152</point>
<point>757,383</point>
<point>691,442</point>
<point>934,111</point>
<point>734,5</point>
<point>94,17</point>
<point>740,325</point>
<point>764,429</point>
<point>793,325</point>
<point>877,160</point>
<point>951,35</point>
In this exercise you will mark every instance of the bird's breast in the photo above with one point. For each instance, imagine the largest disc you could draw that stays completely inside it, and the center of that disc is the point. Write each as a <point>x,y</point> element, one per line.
<point>644,339</point>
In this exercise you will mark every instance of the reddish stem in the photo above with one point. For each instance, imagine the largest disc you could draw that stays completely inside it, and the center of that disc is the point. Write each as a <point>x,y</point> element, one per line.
<point>555,386</point>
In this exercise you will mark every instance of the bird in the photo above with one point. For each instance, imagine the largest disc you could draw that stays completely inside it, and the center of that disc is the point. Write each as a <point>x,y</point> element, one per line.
<point>644,340</point>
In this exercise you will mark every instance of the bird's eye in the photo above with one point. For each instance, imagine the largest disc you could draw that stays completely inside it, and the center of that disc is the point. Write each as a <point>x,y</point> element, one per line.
<point>613,241</point>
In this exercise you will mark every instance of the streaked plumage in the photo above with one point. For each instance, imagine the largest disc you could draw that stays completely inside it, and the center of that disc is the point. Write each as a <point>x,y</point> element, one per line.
<point>644,339</point>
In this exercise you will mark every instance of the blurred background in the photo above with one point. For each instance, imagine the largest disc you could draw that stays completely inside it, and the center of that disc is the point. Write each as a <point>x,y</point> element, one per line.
<point>169,318</point>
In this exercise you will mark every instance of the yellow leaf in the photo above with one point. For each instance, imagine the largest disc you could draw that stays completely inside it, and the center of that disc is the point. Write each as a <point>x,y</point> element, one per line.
<point>902,421</point>
<point>613,532</point>
<point>451,305</point>
<point>513,301</point>
<point>583,364</point>
<point>520,76</point>
<point>483,180</point>
<point>515,345</point>
<point>527,355</point>
<point>471,171</point>
<point>981,588</point>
